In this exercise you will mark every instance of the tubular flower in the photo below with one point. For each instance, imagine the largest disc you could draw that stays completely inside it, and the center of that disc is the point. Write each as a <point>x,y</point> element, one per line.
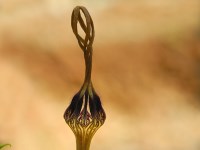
<point>85,114</point>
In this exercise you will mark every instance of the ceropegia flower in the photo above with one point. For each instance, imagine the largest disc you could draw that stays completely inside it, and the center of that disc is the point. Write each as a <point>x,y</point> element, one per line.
<point>85,114</point>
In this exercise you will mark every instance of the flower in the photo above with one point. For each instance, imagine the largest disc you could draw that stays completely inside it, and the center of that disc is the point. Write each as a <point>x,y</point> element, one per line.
<point>85,114</point>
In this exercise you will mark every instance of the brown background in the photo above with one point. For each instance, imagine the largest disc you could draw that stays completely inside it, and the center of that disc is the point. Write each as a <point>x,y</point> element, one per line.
<point>146,69</point>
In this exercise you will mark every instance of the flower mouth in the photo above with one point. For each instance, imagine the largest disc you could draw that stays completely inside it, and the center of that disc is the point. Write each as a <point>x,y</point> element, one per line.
<point>85,109</point>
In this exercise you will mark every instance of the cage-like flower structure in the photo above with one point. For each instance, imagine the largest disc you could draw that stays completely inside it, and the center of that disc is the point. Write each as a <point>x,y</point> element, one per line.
<point>85,114</point>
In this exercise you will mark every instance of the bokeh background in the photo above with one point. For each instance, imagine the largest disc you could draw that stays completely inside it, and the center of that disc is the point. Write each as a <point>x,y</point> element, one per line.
<point>146,69</point>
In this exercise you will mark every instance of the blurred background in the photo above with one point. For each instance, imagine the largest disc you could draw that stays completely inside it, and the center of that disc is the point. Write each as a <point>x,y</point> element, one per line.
<point>146,69</point>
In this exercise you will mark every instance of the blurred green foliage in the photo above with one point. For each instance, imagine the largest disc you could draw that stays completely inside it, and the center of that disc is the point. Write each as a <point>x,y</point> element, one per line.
<point>3,145</point>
